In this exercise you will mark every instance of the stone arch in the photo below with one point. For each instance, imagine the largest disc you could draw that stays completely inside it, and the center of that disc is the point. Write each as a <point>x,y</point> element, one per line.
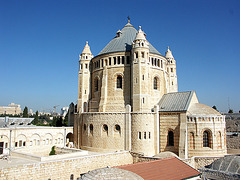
<point>207,138</point>
<point>156,82</point>
<point>59,138</point>
<point>69,140</point>
<point>21,140</point>
<point>96,83</point>
<point>105,130</point>
<point>35,140</point>
<point>48,138</point>
<point>119,80</point>
<point>5,143</point>
<point>70,137</point>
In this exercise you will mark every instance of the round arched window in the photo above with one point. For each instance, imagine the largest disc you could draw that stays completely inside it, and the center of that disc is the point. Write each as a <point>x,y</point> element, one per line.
<point>117,127</point>
<point>105,128</point>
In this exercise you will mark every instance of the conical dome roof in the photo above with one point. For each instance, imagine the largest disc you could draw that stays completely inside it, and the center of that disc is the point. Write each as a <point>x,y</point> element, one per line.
<point>123,41</point>
<point>168,54</point>
<point>86,49</point>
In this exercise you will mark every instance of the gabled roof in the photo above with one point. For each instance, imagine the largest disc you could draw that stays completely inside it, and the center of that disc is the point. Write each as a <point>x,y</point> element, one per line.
<point>175,102</point>
<point>167,168</point>
<point>123,42</point>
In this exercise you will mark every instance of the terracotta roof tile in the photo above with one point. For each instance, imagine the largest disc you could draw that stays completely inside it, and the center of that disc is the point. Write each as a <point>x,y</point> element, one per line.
<point>167,168</point>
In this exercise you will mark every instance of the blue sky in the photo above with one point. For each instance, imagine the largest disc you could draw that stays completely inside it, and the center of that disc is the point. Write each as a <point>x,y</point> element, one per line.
<point>40,42</point>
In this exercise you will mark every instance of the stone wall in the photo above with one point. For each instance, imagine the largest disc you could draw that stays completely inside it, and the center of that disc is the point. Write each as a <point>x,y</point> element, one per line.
<point>233,142</point>
<point>64,169</point>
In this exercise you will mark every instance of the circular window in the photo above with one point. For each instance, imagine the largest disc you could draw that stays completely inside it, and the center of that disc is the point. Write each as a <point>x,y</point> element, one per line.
<point>105,127</point>
<point>84,127</point>
<point>117,127</point>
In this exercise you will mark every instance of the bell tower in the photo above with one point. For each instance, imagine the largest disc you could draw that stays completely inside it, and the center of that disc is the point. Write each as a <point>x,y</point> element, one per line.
<point>140,73</point>
<point>171,69</point>
<point>84,79</point>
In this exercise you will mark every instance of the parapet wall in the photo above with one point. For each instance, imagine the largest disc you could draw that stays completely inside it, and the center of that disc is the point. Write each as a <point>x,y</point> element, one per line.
<point>64,169</point>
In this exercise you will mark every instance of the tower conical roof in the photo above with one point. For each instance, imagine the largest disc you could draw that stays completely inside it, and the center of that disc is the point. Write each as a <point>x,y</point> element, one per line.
<point>140,35</point>
<point>123,42</point>
<point>169,53</point>
<point>86,49</point>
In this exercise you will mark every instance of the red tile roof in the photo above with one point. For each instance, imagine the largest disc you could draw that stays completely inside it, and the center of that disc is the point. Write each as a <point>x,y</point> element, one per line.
<point>167,168</point>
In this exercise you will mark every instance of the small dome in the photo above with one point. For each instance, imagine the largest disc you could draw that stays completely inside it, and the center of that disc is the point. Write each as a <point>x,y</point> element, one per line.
<point>111,173</point>
<point>165,154</point>
<point>168,54</point>
<point>86,49</point>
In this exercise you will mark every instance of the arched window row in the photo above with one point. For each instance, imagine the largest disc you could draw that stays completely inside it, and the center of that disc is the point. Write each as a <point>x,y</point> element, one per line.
<point>33,141</point>
<point>116,129</point>
<point>84,65</point>
<point>144,135</point>
<point>117,60</point>
<point>205,119</point>
<point>156,62</point>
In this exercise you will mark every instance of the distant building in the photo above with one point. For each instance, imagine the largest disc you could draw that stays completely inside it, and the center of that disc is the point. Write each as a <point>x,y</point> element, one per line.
<point>11,109</point>
<point>64,111</point>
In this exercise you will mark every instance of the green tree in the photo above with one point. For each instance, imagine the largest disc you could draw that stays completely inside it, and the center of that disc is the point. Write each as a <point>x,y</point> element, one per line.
<point>36,120</point>
<point>54,121</point>
<point>59,122</point>
<point>230,111</point>
<point>214,107</point>
<point>52,152</point>
<point>25,112</point>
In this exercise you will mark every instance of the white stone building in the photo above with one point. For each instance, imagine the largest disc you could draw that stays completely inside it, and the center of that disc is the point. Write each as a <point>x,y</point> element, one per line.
<point>19,133</point>
<point>128,100</point>
<point>11,109</point>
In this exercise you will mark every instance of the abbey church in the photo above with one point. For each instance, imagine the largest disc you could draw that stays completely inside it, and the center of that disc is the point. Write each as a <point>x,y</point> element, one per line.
<point>128,99</point>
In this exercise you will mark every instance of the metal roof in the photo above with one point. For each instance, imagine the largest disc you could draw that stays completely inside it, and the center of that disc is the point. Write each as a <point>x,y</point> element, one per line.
<point>123,43</point>
<point>177,101</point>
<point>229,165</point>
<point>7,122</point>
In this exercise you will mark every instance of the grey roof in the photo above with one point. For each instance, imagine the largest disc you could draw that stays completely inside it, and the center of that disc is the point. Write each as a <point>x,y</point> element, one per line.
<point>177,101</point>
<point>111,173</point>
<point>229,165</point>
<point>7,122</point>
<point>123,43</point>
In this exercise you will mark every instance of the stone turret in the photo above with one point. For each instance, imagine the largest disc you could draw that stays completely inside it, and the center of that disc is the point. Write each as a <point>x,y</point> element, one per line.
<point>171,69</point>
<point>84,79</point>
<point>140,73</point>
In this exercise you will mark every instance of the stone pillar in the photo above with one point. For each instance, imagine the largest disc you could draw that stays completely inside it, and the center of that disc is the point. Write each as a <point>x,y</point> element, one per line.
<point>156,129</point>
<point>182,135</point>
<point>128,128</point>
<point>103,100</point>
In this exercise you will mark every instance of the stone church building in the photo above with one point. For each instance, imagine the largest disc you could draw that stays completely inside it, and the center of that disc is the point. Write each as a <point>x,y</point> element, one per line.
<point>128,99</point>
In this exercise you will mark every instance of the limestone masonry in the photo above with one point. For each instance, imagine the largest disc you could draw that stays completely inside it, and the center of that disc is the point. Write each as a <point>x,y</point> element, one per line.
<point>128,100</point>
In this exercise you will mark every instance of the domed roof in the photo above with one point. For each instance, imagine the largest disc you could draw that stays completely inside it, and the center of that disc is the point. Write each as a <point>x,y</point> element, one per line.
<point>202,109</point>
<point>123,41</point>
<point>229,165</point>
<point>165,154</point>
<point>111,173</point>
